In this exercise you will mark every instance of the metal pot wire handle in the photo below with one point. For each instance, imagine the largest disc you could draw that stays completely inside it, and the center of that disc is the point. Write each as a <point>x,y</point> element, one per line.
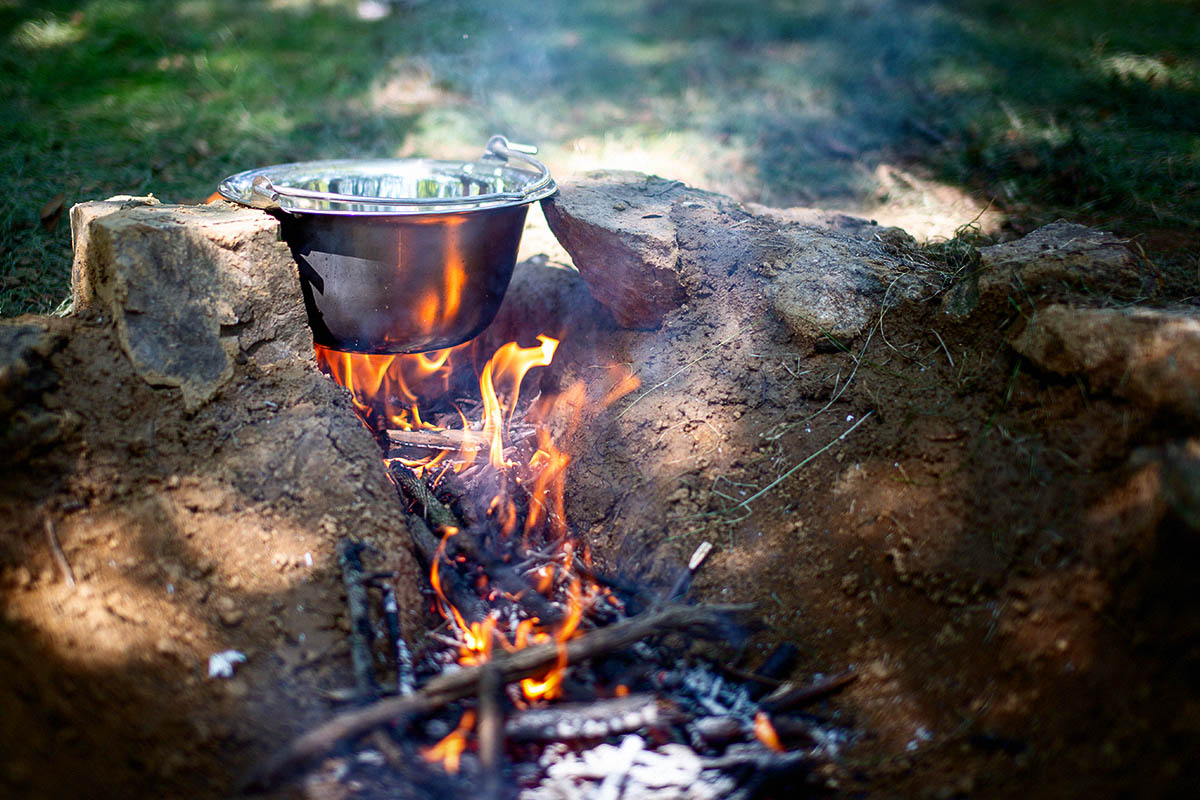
<point>267,195</point>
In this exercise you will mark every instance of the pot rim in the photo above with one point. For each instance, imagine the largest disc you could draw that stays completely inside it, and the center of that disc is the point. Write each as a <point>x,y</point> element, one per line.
<point>274,187</point>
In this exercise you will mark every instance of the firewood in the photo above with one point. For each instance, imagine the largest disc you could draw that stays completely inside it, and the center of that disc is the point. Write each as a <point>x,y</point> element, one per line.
<point>789,696</point>
<point>449,439</point>
<point>454,439</point>
<point>596,720</point>
<point>361,631</point>
<point>490,732</point>
<point>417,492</point>
<point>699,621</point>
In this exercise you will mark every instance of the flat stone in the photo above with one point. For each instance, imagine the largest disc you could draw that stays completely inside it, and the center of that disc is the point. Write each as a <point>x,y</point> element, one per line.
<point>616,225</point>
<point>191,289</point>
<point>1062,255</point>
<point>1147,356</point>
<point>645,246</point>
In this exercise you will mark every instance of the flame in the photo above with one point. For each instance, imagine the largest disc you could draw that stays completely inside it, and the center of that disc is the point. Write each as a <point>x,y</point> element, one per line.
<point>507,369</point>
<point>546,494</point>
<point>392,392</point>
<point>764,731</point>
<point>550,687</point>
<point>449,750</point>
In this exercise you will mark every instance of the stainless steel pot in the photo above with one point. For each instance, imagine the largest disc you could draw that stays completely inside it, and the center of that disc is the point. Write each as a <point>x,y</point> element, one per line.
<point>401,255</point>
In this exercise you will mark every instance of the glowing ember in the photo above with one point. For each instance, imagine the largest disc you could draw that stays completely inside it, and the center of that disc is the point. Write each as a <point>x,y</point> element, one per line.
<point>764,731</point>
<point>450,749</point>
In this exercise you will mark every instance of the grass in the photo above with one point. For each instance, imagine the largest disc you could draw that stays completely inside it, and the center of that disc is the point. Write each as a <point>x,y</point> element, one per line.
<point>1063,108</point>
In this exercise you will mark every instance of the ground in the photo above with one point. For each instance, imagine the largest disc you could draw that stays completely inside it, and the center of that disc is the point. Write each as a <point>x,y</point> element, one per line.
<point>993,549</point>
<point>1000,552</point>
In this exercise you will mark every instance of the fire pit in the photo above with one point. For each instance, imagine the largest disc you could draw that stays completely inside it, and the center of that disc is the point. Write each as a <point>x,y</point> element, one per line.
<point>402,255</point>
<point>542,675</point>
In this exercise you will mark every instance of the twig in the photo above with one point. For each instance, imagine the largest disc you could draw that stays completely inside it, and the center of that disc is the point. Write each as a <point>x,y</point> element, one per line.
<point>490,731</point>
<point>450,686</point>
<point>60,557</point>
<point>405,677</point>
<point>416,491</point>
<point>361,633</point>
<point>785,698</point>
<point>684,581</point>
<point>746,503</point>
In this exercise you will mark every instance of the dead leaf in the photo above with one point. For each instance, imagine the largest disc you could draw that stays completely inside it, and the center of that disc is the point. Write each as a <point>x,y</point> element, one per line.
<point>52,212</point>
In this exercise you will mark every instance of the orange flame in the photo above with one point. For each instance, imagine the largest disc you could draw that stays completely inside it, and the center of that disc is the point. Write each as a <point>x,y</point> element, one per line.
<point>550,686</point>
<point>506,369</point>
<point>388,390</point>
<point>546,494</point>
<point>450,749</point>
<point>764,731</point>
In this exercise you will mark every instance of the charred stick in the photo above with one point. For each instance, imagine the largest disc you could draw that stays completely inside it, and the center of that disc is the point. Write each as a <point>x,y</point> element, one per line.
<point>602,718</point>
<point>490,730</point>
<point>789,696</point>
<point>405,678</point>
<point>684,581</point>
<point>454,585</point>
<point>721,731</point>
<point>778,664</point>
<point>700,621</point>
<point>361,633</point>
<point>417,492</point>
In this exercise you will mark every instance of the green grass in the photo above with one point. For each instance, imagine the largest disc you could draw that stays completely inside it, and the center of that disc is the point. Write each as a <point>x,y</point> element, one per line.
<point>1076,108</point>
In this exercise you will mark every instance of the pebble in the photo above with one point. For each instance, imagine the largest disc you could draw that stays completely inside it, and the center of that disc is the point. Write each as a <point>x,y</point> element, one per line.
<point>22,577</point>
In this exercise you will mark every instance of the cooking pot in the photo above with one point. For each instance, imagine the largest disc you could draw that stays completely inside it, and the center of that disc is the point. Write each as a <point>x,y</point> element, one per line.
<point>400,255</point>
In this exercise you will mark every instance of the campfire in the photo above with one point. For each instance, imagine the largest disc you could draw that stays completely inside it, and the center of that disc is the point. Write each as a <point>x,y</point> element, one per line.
<point>541,675</point>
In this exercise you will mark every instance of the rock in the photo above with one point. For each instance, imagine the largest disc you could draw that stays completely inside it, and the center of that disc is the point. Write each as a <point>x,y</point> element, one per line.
<point>191,288</point>
<point>1150,357</point>
<point>1059,255</point>
<point>26,376</point>
<point>646,246</point>
<point>616,225</point>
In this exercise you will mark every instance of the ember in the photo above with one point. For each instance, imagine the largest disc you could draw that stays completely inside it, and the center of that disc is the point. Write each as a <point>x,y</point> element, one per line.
<point>521,604</point>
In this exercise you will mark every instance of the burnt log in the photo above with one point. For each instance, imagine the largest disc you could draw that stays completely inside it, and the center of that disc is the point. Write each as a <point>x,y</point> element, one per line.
<point>698,621</point>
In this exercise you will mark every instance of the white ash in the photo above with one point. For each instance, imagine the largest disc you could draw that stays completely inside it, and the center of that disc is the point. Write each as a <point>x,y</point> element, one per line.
<point>627,772</point>
<point>221,665</point>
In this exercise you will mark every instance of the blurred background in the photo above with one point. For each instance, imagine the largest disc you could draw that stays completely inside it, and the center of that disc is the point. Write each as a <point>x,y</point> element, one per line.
<point>928,114</point>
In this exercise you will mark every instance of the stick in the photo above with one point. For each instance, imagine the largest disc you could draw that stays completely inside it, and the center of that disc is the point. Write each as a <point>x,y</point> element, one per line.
<point>60,557</point>
<point>452,439</point>
<point>490,731</point>
<point>786,697</point>
<point>405,678</point>
<point>361,634</point>
<point>455,587</point>
<point>684,581</point>
<point>595,720</point>
<point>700,621</point>
<point>417,492</point>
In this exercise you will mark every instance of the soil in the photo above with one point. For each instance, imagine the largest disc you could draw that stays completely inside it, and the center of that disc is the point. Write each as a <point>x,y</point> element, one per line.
<point>991,549</point>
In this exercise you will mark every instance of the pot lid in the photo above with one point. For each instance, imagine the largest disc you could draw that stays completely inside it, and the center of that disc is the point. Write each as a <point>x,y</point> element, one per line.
<point>396,186</point>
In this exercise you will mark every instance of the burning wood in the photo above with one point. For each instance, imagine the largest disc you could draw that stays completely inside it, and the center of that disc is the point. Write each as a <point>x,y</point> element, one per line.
<point>698,621</point>
<point>523,608</point>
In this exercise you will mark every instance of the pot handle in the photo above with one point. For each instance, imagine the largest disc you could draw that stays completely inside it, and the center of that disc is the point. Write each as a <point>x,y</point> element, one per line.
<point>501,148</point>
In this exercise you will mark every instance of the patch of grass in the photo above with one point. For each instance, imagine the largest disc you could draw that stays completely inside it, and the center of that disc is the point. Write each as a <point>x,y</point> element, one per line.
<point>1064,108</point>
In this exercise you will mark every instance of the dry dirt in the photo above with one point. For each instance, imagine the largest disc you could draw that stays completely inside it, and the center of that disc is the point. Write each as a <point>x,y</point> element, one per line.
<point>996,551</point>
